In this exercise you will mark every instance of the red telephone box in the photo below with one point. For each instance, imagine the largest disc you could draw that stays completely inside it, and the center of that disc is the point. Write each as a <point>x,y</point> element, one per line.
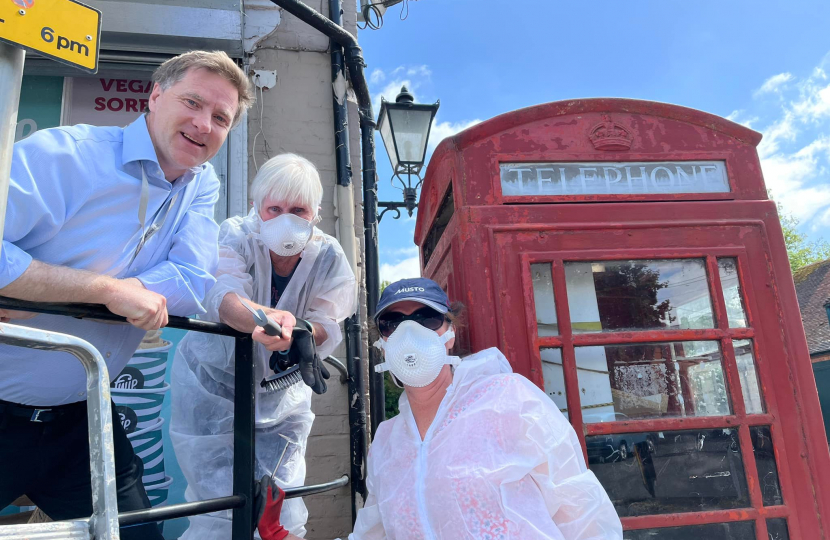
<point>625,257</point>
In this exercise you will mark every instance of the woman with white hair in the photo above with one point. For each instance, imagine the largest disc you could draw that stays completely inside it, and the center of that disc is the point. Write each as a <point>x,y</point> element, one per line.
<point>277,261</point>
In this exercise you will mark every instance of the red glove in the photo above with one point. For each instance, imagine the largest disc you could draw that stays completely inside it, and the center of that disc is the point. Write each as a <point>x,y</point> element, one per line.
<point>269,526</point>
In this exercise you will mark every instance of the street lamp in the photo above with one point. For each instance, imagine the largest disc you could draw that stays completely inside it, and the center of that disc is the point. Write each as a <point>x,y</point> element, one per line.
<point>404,127</point>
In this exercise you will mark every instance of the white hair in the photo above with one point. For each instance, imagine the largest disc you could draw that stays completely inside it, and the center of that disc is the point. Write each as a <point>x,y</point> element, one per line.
<point>289,178</point>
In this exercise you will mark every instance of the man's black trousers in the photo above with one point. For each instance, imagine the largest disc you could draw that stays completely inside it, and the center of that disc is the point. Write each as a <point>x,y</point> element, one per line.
<point>48,460</point>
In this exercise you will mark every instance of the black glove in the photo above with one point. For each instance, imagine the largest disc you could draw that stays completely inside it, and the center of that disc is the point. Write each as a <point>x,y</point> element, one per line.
<point>303,352</point>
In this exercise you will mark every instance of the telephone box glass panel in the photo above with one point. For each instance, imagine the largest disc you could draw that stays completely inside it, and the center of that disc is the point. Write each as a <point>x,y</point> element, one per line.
<point>651,380</point>
<point>666,472</point>
<point>615,296</point>
<point>736,530</point>
<point>554,378</point>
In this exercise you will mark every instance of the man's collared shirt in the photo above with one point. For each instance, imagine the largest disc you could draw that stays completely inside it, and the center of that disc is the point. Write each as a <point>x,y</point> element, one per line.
<point>74,201</point>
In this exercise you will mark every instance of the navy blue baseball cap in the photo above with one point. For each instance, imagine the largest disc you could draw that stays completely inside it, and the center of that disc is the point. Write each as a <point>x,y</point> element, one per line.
<point>421,290</point>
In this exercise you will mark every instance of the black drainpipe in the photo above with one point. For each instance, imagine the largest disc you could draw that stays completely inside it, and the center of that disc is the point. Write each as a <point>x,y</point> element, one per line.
<point>355,65</point>
<point>357,411</point>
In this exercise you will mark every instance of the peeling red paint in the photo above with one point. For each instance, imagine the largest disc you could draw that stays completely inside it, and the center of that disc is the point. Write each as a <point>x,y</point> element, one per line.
<point>484,255</point>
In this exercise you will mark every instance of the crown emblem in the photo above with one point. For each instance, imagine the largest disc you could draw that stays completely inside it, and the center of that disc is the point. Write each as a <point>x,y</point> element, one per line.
<point>610,136</point>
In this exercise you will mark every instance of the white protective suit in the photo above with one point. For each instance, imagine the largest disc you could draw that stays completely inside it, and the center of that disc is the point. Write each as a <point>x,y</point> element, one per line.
<point>498,462</point>
<point>322,290</point>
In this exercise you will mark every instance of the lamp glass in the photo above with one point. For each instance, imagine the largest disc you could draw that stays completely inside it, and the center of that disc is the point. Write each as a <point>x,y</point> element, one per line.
<point>410,128</point>
<point>384,126</point>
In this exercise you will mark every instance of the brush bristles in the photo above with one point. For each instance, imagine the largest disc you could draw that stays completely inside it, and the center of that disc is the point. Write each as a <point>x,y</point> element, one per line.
<point>281,381</point>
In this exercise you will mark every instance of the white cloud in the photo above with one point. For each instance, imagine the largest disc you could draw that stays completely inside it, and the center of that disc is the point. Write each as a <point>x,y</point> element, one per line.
<point>774,83</point>
<point>410,251</point>
<point>795,150</point>
<point>413,77</point>
<point>782,130</point>
<point>419,71</point>
<point>736,116</point>
<point>407,268</point>
<point>788,177</point>
<point>391,91</point>
<point>377,76</point>
<point>814,103</point>
<point>442,130</point>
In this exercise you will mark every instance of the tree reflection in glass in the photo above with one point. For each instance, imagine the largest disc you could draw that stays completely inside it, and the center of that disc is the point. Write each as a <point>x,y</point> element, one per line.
<point>611,296</point>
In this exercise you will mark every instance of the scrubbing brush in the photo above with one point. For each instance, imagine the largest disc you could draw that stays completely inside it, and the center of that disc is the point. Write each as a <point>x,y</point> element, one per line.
<point>286,375</point>
<point>301,363</point>
<point>282,379</point>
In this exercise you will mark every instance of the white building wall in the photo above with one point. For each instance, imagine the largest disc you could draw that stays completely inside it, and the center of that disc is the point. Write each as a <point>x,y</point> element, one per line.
<point>296,116</point>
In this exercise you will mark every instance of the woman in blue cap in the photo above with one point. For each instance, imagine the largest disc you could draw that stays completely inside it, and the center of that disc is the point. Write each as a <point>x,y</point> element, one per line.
<point>476,451</point>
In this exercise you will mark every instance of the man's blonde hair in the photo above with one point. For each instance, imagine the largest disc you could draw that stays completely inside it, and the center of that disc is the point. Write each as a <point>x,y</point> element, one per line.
<point>218,62</point>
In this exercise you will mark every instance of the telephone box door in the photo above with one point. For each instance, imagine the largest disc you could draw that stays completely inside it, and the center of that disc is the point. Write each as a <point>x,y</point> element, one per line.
<point>663,345</point>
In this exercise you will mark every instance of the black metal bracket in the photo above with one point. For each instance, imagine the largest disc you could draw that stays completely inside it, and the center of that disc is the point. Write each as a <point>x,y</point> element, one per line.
<point>338,365</point>
<point>394,206</point>
<point>410,202</point>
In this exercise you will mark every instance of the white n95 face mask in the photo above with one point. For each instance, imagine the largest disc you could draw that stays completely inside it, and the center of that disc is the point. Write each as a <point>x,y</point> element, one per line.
<point>286,235</point>
<point>415,354</point>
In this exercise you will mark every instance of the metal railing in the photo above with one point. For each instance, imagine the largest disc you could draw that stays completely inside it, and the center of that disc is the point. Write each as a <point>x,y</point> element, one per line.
<point>241,501</point>
<point>103,524</point>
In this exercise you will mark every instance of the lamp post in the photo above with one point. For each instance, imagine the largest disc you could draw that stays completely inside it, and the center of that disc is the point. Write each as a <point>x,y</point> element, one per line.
<point>404,127</point>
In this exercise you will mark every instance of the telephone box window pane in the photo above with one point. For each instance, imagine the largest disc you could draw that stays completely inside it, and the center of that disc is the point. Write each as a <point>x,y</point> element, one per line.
<point>554,378</point>
<point>651,380</point>
<point>748,372</point>
<point>543,299</point>
<point>613,296</point>
<point>777,529</point>
<point>736,530</point>
<point>665,472</point>
<point>735,313</point>
<point>765,461</point>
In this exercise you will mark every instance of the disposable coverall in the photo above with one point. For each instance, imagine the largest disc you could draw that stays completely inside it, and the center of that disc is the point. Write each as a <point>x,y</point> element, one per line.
<point>322,290</point>
<point>499,461</point>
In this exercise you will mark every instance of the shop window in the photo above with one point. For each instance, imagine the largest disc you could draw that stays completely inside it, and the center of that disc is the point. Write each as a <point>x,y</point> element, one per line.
<point>651,380</point>
<point>554,378</point>
<point>39,106</point>
<point>748,372</point>
<point>739,530</point>
<point>611,296</point>
<point>732,295</point>
<point>642,475</point>
<point>765,462</point>
<point>543,299</point>
<point>777,529</point>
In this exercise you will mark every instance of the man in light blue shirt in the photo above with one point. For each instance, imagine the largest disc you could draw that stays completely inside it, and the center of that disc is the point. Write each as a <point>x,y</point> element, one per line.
<point>112,216</point>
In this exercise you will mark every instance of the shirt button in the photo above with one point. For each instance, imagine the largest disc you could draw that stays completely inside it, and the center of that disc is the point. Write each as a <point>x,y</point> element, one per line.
<point>81,394</point>
<point>109,354</point>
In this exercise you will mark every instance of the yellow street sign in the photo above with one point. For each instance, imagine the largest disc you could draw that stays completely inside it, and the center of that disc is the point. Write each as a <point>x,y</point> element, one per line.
<point>64,30</point>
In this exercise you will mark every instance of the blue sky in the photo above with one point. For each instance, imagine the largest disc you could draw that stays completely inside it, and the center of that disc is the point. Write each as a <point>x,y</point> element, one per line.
<point>763,64</point>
